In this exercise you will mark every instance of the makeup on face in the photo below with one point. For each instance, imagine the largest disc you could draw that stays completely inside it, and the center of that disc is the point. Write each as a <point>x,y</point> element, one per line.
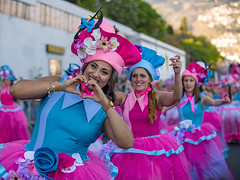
<point>98,71</point>
<point>140,79</point>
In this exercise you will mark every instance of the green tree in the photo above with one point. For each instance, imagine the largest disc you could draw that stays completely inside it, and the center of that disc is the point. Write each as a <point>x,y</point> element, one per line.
<point>138,15</point>
<point>198,48</point>
<point>183,25</point>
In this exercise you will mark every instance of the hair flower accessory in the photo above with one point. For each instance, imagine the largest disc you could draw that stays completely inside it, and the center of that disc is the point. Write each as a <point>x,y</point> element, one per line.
<point>99,41</point>
<point>87,24</point>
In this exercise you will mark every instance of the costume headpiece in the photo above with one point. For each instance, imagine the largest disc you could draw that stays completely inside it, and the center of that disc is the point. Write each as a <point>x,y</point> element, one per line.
<point>97,40</point>
<point>150,61</point>
<point>199,71</point>
<point>6,72</point>
<point>72,71</point>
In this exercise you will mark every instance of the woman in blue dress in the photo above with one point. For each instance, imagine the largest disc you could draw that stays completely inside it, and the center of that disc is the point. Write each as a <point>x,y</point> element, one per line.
<point>74,113</point>
<point>201,146</point>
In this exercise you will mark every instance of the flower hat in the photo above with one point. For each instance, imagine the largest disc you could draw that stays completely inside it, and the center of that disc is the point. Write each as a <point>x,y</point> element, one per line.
<point>199,71</point>
<point>150,61</point>
<point>97,40</point>
<point>6,72</point>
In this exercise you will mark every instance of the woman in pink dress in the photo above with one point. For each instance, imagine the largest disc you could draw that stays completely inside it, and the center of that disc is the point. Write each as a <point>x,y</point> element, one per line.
<point>154,155</point>
<point>13,121</point>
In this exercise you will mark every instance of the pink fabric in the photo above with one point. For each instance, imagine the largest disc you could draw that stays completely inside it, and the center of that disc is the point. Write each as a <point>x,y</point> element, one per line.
<point>13,121</point>
<point>141,166</point>
<point>217,121</point>
<point>205,157</point>
<point>144,93</point>
<point>5,96</point>
<point>129,103</point>
<point>188,73</point>
<point>141,127</point>
<point>93,169</point>
<point>190,99</point>
<point>126,53</point>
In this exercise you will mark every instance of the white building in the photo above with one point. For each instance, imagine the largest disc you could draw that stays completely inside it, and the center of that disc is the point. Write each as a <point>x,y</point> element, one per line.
<point>36,36</point>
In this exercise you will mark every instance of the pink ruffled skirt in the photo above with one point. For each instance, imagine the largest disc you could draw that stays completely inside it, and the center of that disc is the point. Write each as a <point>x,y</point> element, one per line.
<point>230,114</point>
<point>155,157</point>
<point>13,153</point>
<point>203,151</point>
<point>13,124</point>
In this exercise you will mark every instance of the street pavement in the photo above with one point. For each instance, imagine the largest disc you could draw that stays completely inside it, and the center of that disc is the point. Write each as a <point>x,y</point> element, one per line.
<point>233,160</point>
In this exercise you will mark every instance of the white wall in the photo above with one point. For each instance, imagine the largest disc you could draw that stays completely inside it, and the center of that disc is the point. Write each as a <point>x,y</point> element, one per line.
<point>23,42</point>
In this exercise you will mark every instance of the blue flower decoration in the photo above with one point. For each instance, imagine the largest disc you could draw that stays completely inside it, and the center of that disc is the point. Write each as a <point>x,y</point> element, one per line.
<point>87,24</point>
<point>45,161</point>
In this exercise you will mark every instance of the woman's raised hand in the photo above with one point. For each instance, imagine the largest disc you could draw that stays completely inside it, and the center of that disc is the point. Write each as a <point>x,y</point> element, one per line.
<point>70,85</point>
<point>98,94</point>
<point>176,63</point>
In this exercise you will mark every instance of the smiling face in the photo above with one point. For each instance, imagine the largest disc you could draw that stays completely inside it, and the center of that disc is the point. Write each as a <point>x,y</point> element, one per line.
<point>189,84</point>
<point>140,79</point>
<point>99,71</point>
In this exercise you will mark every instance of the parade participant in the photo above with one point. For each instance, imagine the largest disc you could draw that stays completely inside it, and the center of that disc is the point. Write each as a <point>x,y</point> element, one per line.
<point>153,155</point>
<point>13,121</point>
<point>201,146</point>
<point>74,113</point>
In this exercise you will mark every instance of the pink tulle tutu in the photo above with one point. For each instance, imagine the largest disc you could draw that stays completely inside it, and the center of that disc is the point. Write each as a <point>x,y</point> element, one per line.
<point>172,116</point>
<point>14,124</point>
<point>153,157</point>
<point>216,120</point>
<point>97,167</point>
<point>231,119</point>
<point>203,150</point>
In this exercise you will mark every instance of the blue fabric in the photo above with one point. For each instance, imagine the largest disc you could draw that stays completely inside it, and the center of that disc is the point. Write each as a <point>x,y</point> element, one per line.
<point>87,24</point>
<point>68,128</point>
<point>185,112</point>
<point>237,97</point>
<point>113,170</point>
<point>210,136</point>
<point>150,61</point>
<point>3,172</point>
<point>45,161</point>
<point>152,153</point>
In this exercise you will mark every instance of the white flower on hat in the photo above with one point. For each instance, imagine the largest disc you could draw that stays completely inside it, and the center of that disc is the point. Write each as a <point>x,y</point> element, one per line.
<point>81,53</point>
<point>91,47</point>
<point>114,43</point>
<point>96,34</point>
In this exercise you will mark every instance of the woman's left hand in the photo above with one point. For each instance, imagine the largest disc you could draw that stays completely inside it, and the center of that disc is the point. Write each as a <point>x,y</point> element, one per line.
<point>225,100</point>
<point>176,63</point>
<point>98,94</point>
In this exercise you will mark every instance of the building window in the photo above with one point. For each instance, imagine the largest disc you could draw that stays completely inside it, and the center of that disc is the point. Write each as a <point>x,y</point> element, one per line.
<point>55,67</point>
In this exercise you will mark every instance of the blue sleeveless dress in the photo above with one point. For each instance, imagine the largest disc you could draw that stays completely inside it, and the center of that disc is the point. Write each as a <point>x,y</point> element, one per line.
<point>201,146</point>
<point>65,127</point>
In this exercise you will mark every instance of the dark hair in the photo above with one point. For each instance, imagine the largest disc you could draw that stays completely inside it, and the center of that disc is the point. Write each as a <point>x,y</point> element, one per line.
<point>110,86</point>
<point>196,91</point>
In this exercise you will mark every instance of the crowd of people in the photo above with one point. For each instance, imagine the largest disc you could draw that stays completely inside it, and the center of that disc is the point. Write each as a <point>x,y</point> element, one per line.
<point>177,129</point>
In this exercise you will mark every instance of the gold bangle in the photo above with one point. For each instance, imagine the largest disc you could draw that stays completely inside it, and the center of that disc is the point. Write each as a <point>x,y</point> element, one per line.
<point>108,106</point>
<point>53,87</point>
<point>49,90</point>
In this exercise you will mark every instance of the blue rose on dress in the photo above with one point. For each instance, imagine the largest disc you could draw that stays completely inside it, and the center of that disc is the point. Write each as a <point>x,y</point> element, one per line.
<point>45,160</point>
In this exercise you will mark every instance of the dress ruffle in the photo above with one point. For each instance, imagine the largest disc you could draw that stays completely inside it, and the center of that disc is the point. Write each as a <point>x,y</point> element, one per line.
<point>13,160</point>
<point>153,157</point>
<point>203,150</point>
<point>231,119</point>
<point>14,124</point>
